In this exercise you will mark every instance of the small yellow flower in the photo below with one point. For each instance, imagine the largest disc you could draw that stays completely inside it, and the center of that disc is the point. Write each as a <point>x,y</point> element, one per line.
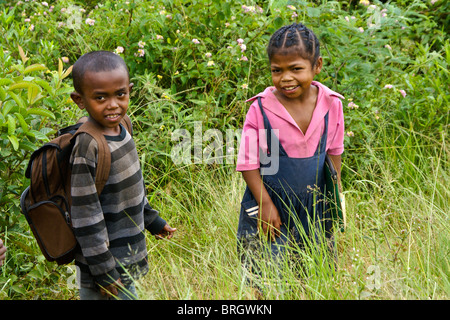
<point>159,77</point>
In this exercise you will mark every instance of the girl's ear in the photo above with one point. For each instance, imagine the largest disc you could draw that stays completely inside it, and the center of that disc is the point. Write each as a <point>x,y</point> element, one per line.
<point>318,65</point>
<point>78,99</point>
<point>131,86</point>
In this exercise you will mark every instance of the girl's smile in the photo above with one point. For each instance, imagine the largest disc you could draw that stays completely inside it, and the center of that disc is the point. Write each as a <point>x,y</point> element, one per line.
<point>292,75</point>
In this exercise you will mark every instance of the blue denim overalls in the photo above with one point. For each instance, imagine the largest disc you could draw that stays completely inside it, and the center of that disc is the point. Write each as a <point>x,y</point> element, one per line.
<point>296,190</point>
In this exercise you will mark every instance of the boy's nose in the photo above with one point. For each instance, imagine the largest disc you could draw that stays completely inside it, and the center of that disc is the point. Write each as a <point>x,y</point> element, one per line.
<point>113,104</point>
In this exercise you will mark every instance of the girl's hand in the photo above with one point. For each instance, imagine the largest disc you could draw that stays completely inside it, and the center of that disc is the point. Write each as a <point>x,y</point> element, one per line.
<point>270,221</point>
<point>2,252</point>
<point>269,217</point>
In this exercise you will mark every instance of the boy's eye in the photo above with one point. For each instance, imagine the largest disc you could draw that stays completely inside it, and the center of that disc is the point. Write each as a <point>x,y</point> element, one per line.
<point>100,98</point>
<point>121,94</point>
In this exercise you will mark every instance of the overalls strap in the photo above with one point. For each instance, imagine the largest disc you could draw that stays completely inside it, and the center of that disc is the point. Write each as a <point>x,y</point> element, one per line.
<point>268,129</point>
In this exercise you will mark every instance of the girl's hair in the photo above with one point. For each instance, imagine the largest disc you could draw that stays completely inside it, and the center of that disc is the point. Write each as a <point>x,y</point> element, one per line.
<point>295,37</point>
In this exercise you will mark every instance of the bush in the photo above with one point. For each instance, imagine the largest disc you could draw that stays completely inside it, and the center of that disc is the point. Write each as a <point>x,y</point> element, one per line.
<point>30,98</point>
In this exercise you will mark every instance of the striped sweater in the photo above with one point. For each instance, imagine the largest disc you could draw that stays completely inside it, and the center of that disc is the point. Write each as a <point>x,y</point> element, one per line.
<point>110,228</point>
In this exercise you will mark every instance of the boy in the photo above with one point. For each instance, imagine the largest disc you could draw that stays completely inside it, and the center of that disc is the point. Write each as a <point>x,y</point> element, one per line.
<point>110,227</point>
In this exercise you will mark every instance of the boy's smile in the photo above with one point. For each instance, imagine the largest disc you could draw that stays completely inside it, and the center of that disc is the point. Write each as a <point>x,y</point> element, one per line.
<point>105,97</point>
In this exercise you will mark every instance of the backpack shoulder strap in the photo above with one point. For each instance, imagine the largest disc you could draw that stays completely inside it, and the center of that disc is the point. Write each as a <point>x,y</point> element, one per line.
<point>126,122</point>
<point>104,154</point>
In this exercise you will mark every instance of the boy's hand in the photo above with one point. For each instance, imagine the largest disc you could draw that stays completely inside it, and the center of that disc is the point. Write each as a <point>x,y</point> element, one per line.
<point>167,231</point>
<point>112,289</point>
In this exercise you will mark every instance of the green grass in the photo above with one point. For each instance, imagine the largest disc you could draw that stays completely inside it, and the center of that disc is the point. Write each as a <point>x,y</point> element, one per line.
<point>395,246</point>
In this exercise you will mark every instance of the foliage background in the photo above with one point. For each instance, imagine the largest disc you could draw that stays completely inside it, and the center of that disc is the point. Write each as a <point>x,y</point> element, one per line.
<point>388,58</point>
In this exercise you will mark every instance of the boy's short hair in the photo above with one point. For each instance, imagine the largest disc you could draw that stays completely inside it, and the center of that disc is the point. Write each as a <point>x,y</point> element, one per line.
<point>95,61</point>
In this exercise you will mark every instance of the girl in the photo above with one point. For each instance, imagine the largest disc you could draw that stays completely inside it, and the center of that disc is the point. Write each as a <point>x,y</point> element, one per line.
<point>295,123</point>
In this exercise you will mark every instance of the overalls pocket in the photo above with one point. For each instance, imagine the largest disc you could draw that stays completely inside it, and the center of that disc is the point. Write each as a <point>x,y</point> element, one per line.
<point>248,218</point>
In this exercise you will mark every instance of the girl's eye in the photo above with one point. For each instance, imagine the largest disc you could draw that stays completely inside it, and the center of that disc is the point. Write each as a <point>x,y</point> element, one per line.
<point>121,94</point>
<point>100,98</point>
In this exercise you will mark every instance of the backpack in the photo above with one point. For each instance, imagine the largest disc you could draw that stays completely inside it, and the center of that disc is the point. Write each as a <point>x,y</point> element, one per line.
<point>46,202</point>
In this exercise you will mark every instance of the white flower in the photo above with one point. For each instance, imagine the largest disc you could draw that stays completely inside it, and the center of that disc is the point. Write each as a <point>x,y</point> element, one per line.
<point>119,49</point>
<point>90,21</point>
<point>210,63</point>
<point>195,41</point>
<point>140,52</point>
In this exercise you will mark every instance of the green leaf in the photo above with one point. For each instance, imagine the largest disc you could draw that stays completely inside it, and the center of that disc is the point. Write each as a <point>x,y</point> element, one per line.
<point>27,146</point>
<point>37,135</point>
<point>199,102</point>
<point>313,12</point>
<point>23,123</point>
<point>5,82</point>
<point>11,125</point>
<point>7,107</point>
<point>2,94</point>
<point>22,85</point>
<point>14,142</point>
<point>41,112</point>
<point>45,85</point>
<point>19,289</point>
<point>34,67</point>
<point>62,91</point>
<point>17,99</point>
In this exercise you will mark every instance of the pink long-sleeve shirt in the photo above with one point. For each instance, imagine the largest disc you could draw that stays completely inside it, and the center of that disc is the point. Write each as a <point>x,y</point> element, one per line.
<point>296,143</point>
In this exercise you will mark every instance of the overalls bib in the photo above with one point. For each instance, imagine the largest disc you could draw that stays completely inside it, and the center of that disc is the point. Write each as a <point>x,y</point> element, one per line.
<point>296,190</point>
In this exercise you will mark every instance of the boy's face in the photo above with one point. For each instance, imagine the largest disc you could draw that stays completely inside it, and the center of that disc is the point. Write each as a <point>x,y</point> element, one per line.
<point>105,96</point>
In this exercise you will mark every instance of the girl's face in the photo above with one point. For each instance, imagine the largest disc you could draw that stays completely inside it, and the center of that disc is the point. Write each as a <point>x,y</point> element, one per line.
<point>292,75</point>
